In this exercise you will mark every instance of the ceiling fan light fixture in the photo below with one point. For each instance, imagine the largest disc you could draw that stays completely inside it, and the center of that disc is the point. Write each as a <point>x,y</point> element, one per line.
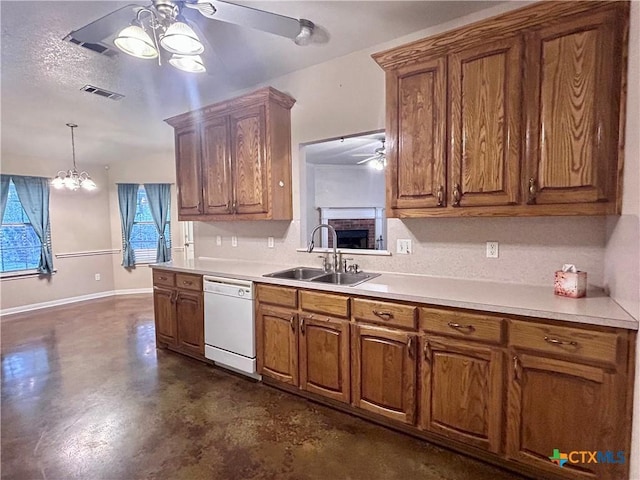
<point>188,63</point>
<point>181,39</point>
<point>304,36</point>
<point>134,41</point>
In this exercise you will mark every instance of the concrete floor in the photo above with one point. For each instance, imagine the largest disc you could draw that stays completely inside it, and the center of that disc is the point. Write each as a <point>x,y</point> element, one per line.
<point>85,395</point>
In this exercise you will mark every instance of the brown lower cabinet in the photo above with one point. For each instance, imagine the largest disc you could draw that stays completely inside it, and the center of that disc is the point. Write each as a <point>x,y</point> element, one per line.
<point>179,312</point>
<point>506,390</point>
<point>384,371</point>
<point>462,388</point>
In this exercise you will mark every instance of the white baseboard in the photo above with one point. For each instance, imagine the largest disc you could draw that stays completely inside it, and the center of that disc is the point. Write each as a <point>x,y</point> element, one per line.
<point>65,301</point>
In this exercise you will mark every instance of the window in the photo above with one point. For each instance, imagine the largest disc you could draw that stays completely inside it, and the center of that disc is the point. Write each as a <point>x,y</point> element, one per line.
<point>19,245</point>
<point>144,236</point>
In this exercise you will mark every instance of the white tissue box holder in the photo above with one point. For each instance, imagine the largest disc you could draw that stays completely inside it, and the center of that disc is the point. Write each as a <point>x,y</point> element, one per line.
<point>570,284</point>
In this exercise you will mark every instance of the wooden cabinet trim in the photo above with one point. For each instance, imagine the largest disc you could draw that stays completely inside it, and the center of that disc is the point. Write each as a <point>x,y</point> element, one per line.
<point>383,312</point>
<point>324,303</point>
<point>505,25</point>
<point>164,278</point>
<point>463,324</point>
<point>277,295</point>
<point>189,281</point>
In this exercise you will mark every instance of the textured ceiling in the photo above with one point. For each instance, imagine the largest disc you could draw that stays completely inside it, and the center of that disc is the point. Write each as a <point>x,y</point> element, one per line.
<point>42,75</point>
<point>344,151</point>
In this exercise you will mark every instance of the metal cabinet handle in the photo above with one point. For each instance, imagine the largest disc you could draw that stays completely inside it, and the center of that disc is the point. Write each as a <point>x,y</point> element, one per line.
<point>162,278</point>
<point>440,196</point>
<point>228,206</point>
<point>555,341</point>
<point>302,325</point>
<point>426,352</point>
<point>516,367</point>
<point>410,347</point>
<point>457,195</point>
<point>458,326</point>
<point>187,282</point>
<point>291,322</point>
<point>533,191</point>
<point>174,297</point>
<point>383,315</point>
<point>235,207</point>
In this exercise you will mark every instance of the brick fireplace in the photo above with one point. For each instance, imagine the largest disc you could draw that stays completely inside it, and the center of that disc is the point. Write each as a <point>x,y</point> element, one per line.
<point>354,232</point>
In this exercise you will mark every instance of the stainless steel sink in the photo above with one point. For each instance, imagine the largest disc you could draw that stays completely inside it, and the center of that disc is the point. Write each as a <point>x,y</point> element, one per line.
<point>344,278</point>
<point>320,276</point>
<point>298,273</point>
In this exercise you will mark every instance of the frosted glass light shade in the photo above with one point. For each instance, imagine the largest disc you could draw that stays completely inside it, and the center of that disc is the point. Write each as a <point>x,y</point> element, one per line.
<point>88,183</point>
<point>134,41</point>
<point>188,63</point>
<point>181,39</point>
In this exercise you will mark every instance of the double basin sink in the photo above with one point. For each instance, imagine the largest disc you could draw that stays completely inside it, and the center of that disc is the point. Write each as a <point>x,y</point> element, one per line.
<point>317,275</point>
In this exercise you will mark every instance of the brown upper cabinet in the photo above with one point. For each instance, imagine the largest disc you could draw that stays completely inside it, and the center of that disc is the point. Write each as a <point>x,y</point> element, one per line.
<point>516,115</point>
<point>233,159</point>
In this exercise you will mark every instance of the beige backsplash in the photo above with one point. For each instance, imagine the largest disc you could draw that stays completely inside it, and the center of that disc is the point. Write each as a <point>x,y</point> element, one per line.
<point>531,249</point>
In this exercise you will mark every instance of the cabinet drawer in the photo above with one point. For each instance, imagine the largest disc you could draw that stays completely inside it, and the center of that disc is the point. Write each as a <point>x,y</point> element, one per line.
<point>483,328</point>
<point>334,305</point>
<point>575,342</point>
<point>162,277</point>
<point>189,282</point>
<point>386,313</point>
<point>283,296</point>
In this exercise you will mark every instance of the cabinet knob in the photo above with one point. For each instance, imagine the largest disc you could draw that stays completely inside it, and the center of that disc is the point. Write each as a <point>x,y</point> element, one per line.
<point>457,195</point>
<point>533,191</point>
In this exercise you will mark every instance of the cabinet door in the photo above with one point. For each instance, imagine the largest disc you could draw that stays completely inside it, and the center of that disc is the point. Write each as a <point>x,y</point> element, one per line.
<point>190,321</point>
<point>565,406</point>
<point>248,133</point>
<point>165,315</point>
<point>216,167</point>
<point>324,356</point>
<point>188,170</point>
<point>485,124</point>
<point>384,372</point>
<point>277,344</point>
<point>572,105</point>
<point>416,99</point>
<point>461,394</point>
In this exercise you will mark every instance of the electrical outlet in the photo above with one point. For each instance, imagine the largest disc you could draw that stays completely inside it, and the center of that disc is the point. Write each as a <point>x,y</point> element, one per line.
<point>270,242</point>
<point>492,249</point>
<point>218,241</point>
<point>97,277</point>
<point>234,241</point>
<point>403,246</point>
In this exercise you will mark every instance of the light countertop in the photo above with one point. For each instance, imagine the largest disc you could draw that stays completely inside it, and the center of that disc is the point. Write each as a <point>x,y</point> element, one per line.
<point>515,299</point>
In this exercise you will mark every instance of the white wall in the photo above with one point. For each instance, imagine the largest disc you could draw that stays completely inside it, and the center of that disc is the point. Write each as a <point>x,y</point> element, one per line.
<point>622,254</point>
<point>349,186</point>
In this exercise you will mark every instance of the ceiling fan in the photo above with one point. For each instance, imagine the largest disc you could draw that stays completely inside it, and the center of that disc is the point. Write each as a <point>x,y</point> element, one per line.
<point>378,159</point>
<point>140,30</point>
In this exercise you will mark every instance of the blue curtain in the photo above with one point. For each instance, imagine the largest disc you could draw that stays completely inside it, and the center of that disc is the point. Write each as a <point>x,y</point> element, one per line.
<point>158,195</point>
<point>127,197</point>
<point>33,193</point>
<point>4,193</point>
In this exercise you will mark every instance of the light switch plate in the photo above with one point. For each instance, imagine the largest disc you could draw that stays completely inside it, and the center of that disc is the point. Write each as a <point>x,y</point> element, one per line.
<point>270,242</point>
<point>234,241</point>
<point>403,246</point>
<point>218,241</point>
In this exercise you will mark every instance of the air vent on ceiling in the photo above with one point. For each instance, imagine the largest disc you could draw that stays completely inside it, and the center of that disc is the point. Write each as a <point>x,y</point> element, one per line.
<point>100,48</point>
<point>102,92</point>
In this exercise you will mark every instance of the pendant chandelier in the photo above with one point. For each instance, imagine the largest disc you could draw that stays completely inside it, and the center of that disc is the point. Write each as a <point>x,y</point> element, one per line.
<point>71,179</point>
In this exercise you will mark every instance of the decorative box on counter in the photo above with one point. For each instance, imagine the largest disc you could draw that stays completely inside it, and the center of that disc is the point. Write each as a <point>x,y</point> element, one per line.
<point>570,282</point>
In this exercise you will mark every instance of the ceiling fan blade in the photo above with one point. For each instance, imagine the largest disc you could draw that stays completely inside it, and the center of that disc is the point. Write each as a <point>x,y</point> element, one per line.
<point>106,26</point>
<point>249,17</point>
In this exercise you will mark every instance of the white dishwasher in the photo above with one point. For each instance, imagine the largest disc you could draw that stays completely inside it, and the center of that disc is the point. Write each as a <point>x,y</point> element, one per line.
<point>229,324</point>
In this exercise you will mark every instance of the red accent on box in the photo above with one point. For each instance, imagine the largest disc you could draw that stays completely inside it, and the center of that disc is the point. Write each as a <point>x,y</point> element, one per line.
<point>570,284</point>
